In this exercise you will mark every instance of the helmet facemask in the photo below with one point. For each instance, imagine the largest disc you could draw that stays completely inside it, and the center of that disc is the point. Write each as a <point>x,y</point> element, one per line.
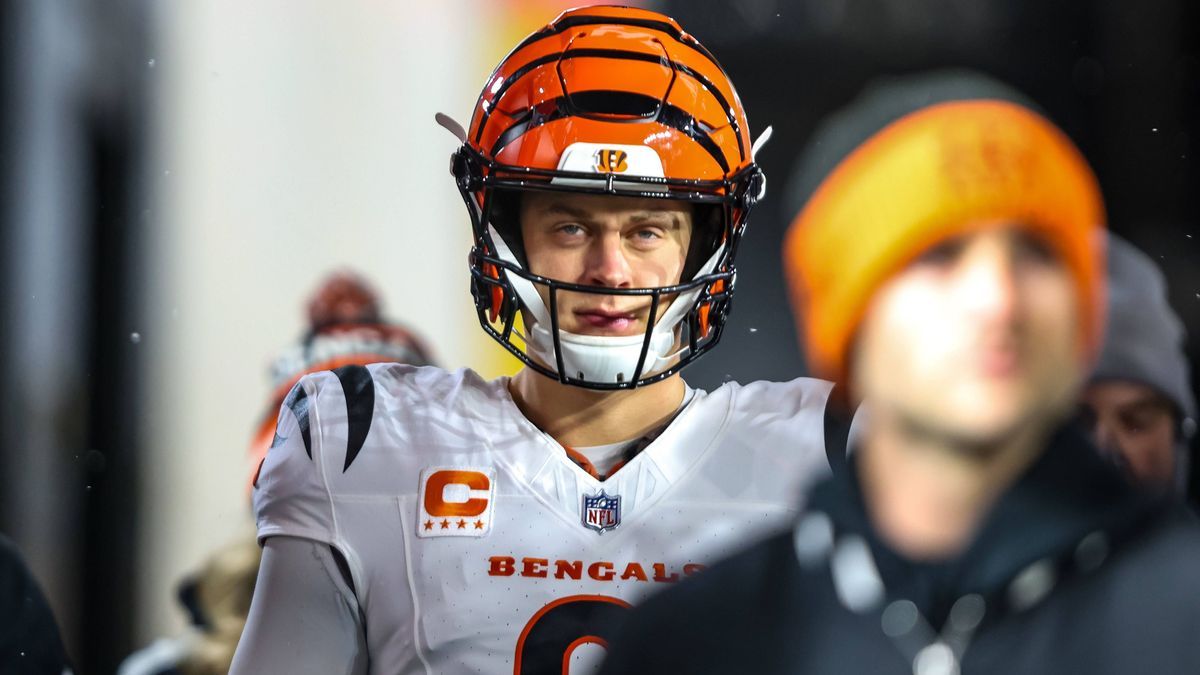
<point>685,319</point>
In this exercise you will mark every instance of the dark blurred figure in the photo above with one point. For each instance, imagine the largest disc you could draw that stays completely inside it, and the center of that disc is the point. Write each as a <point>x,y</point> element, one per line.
<point>948,272</point>
<point>216,599</point>
<point>1138,405</point>
<point>29,639</point>
<point>346,327</point>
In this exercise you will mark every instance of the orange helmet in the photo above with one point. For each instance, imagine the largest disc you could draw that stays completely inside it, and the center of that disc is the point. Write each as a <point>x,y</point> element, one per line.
<point>608,100</point>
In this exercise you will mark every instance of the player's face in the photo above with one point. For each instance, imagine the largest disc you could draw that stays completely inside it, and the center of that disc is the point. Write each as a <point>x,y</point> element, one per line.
<point>973,340</point>
<point>1134,425</point>
<point>607,241</point>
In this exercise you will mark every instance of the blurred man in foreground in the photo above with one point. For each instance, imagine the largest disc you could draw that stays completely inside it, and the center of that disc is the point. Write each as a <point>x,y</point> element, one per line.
<point>949,271</point>
<point>1139,405</point>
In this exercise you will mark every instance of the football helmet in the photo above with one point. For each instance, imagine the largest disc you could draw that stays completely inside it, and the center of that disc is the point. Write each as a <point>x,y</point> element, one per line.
<point>616,101</point>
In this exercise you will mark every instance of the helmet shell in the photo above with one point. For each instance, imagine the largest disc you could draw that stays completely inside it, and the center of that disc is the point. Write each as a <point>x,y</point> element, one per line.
<point>616,75</point>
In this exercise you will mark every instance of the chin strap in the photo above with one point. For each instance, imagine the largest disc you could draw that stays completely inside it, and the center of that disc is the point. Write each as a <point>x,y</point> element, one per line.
<point>597,358</point>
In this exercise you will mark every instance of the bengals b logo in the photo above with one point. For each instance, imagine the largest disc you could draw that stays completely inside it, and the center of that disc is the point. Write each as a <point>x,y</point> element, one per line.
<point>611,161</point>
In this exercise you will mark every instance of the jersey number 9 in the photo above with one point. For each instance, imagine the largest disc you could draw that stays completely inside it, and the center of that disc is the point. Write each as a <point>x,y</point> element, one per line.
<point>558,629</point>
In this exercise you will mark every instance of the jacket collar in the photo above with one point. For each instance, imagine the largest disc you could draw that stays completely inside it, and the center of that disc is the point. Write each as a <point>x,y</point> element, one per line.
<point>1068,500</point>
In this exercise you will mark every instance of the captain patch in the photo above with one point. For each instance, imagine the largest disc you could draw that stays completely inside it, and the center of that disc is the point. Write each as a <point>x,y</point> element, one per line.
<point>456,502</point>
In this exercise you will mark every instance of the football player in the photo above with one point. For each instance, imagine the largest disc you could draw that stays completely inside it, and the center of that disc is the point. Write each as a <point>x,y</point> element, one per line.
<point>416,520</point>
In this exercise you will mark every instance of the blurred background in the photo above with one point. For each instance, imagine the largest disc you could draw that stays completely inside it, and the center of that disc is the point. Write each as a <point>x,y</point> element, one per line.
<point>176,177</point>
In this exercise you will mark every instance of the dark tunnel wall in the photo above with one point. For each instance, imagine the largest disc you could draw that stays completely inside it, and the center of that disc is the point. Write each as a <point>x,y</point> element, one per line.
<point>1122,79</point>
<point>1122,82</point>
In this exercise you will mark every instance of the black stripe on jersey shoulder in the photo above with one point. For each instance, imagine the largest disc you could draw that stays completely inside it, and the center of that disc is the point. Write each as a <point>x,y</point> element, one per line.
<point>837,433</point>
<point>359,390</point>
<point>297,401</point>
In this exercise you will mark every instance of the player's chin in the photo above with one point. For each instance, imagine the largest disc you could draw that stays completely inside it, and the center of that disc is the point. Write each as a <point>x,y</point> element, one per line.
<point>999,417</point>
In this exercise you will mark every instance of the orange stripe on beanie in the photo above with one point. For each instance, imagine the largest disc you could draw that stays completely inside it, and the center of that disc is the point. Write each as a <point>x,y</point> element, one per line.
<point>929,176</point>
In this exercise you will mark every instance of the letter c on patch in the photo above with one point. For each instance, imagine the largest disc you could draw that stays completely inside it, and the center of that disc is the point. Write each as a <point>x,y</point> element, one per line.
<point>435,487</point>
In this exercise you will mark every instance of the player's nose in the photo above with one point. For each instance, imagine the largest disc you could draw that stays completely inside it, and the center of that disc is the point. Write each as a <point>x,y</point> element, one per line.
<point>606,262</point>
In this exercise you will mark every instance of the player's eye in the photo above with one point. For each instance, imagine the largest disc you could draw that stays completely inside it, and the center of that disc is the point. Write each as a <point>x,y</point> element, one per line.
<point>570,229</point>
<point>646,235</point>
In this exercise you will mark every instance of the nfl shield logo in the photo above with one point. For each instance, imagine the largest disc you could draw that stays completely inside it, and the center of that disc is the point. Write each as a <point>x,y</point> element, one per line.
<point>601,512</point>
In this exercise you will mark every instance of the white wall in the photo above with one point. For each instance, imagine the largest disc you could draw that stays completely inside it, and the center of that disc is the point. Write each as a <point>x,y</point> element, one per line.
<point>294,137</point>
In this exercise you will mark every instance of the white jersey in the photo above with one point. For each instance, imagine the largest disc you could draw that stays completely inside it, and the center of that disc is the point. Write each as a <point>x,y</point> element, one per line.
<point>475,545</point>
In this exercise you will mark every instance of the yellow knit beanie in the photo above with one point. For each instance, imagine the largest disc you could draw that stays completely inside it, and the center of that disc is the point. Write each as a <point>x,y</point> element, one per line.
<point>929,176</point>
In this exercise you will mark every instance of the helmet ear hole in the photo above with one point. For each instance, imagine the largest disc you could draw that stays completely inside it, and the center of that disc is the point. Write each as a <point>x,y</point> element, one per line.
<point>708,232</point>
<point>504,214</point>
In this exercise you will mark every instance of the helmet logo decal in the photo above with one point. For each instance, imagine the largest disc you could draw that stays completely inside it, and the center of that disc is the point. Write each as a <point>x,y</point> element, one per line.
<point>611,161</point>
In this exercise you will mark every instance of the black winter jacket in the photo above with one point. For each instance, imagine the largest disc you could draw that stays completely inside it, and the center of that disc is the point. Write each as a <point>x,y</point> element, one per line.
<point>1073,571</point>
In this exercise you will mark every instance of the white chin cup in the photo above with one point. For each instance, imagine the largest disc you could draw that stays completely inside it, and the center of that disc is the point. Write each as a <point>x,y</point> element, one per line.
<point>599,358</point>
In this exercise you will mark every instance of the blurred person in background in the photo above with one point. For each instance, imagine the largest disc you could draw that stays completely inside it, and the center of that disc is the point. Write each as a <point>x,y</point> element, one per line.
<point>345,327</point>
<point>949,269</point>
<point>29,638</point>
<point>416,520</point>
<point>1138,406</point>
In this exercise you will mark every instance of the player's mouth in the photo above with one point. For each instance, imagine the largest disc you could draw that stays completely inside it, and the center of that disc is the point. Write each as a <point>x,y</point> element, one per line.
<point>606,320</point>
